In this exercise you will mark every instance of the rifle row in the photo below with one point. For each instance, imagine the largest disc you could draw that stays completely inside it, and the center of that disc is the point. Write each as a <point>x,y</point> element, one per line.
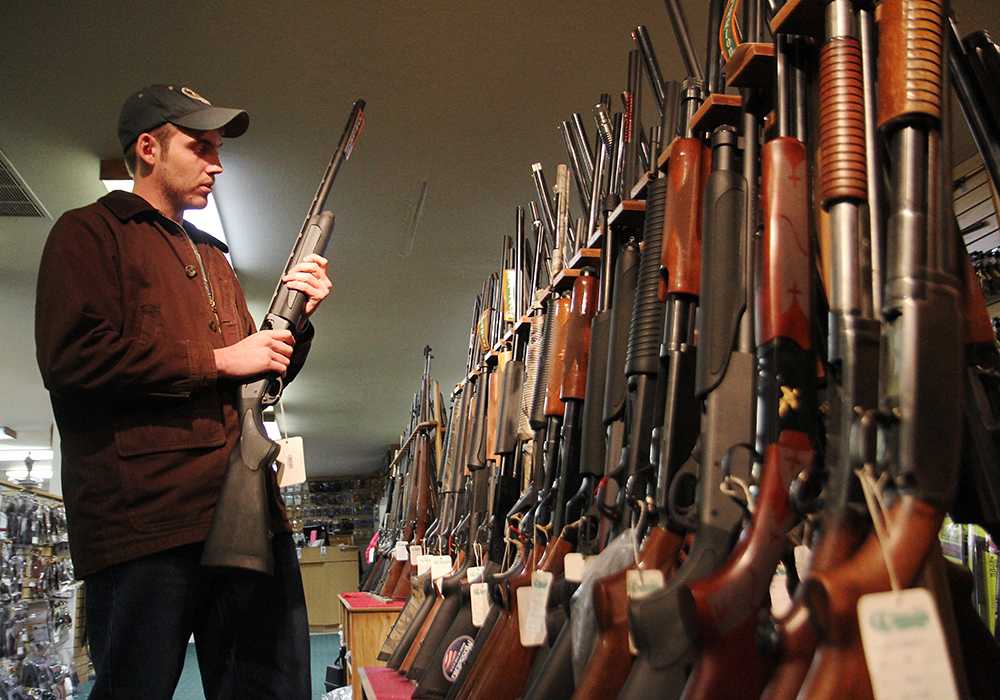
<point>750,352</point>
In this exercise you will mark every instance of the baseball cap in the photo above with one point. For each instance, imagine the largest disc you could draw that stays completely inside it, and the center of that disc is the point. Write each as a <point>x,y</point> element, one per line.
<point>178,104</point>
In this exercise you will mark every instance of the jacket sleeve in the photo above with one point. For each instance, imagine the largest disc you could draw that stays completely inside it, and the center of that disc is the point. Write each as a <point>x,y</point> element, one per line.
<point>82,344</point>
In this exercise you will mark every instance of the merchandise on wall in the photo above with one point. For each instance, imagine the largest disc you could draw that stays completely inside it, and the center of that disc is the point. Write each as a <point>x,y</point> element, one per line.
<point>730,377</point>
<point>334,510</point>
<point>43,652</point>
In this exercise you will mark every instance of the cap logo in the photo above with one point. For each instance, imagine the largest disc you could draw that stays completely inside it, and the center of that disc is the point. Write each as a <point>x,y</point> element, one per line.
<point>194,95</point>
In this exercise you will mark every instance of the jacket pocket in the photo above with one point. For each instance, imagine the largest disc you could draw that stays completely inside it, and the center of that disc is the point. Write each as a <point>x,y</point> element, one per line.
<point>165,425</point>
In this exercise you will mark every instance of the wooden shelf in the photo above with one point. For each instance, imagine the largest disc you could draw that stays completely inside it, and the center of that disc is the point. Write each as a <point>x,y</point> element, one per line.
<point>585,257</point>
<point>752,66</point>
<point>804,17</point>
<point>629,213</point>
<point>718,109</point>
<point>565,279</point>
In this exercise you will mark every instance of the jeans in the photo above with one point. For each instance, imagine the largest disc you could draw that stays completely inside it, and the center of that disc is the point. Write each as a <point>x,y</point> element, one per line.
<point>250,630</point>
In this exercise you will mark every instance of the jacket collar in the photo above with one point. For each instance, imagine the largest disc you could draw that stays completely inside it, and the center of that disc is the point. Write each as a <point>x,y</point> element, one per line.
<point>127,205</point>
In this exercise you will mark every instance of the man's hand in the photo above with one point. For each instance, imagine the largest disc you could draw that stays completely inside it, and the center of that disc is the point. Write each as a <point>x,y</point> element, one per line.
<point>310,278</point>
<point>263,352</point>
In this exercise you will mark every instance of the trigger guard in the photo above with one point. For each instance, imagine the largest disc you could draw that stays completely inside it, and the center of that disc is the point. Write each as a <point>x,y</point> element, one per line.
<point>272,393</point>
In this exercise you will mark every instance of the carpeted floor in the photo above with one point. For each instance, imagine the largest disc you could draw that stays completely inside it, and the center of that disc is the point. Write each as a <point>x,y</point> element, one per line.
<point>324,649</point>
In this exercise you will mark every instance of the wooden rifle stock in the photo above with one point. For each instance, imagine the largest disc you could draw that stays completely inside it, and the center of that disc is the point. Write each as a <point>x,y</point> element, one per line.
<point>838,669</point>
<point>610,663</point>
<point>582,307</point>
<point>507,676</point>
<point>794,637</point>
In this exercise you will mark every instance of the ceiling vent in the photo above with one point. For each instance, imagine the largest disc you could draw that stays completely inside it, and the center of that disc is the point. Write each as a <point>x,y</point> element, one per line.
<point>16,198</point>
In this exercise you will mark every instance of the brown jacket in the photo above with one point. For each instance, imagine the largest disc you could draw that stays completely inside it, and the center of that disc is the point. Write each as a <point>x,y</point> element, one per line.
<point>124,336</point>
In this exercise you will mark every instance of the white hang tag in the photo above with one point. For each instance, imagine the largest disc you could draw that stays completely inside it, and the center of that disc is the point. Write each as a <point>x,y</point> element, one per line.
<point>400,552</point>
<point>440,566</point>
<point>574,565</point>
<point>475,574</point>
<point>803,560</point>
<point>904,646</point>
<point>781,602</point>
<point>424,564</point>
<point>415,551</point>
<point>322,551</point>
<point>480,595</point>
<point>523,609</point>
<point>640,583</point>
<point>291,462</point>
<point>534,632</point>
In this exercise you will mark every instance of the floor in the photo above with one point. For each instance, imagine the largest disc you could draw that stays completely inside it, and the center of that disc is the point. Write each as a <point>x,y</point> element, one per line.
<point>323,650</point>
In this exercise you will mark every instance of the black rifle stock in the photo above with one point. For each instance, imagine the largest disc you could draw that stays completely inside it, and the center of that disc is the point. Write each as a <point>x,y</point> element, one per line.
<point>240,536</point>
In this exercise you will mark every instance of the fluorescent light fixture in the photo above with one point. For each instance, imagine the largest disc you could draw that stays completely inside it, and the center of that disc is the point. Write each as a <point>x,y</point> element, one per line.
<point>7,433</point>
<point>114,176</point>
<point>42,454</point>
<point>39,470</point>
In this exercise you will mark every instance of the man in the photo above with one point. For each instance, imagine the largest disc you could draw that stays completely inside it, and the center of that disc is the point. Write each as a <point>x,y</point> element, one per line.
<point>143,338</point>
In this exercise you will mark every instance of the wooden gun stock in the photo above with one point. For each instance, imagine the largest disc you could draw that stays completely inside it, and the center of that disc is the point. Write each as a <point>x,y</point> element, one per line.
<point>911,42</point>
<point>680,255</point>
<point>610,663</point>
<point>838,669</point>
<point>721,611</point>
<point>795,636</point>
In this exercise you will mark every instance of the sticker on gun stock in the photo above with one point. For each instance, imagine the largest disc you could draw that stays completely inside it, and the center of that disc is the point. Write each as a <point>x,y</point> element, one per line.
<point>533,632</point>
<point>905,647</point>
<point>455,656</point>
<point>640,583</point>
<point>480,598</point>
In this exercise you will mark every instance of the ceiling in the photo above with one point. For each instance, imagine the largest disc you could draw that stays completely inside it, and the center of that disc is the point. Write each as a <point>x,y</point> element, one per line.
<point>464,96</point>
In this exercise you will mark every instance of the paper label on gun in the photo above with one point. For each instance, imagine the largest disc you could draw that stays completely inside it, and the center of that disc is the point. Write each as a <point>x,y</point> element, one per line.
<point>415,551</point>
<point>905,646</point>
<point>440,566</point>
<point>400,553</point>
<point>480,596</point>
<point>574,565</point>
<point>640,583</point>
<point>475,573</point>
<point>291,462</point>
<point>424,564</point>
<point>533,632</point>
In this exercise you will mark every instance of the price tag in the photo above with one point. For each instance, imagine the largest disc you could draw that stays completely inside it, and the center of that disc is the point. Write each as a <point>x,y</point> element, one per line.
<point>523,609</point>
<point>640,583</point>
<point>479,592</point>
<point>415,551</point>
<point>400,552</point>
<point>424,564</point>
<point>905,647</point>
<point>574,565</point>
<point>534,631</point>
<point>322,551</point>
<point>291,462</point>
<point>475,573</point>
<point>440,566</point>
<point>803,560</point>
<point>781,602</point>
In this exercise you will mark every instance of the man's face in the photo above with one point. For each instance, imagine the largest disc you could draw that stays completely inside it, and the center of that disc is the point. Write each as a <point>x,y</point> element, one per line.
<point>187,165</point>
